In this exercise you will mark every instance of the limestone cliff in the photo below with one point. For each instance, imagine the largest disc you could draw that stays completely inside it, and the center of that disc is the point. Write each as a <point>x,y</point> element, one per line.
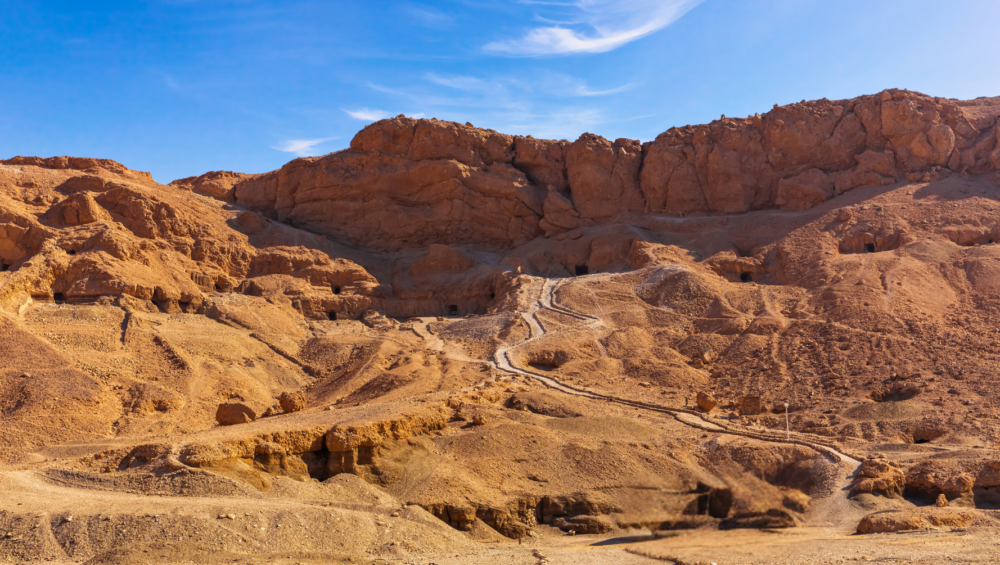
<point>407,183</point>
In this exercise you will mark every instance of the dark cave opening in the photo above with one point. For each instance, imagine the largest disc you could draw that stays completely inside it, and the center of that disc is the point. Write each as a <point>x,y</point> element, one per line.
<point>869,248</point>
<point>453,310</point>
<point>746,277</point>
<point>582,270</point>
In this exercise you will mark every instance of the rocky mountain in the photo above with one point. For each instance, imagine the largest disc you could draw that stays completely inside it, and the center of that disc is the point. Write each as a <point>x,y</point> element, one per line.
<point>407,183</point>
<point>445,342</point>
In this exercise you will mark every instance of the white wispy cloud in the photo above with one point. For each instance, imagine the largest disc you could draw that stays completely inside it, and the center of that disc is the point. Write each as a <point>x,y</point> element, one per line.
<point>427,16</point>
<point>582,90</point>
<point>367,114</point>
<point>533,104</point>
<point>467,83</point>
<point>171,83</point>
<point>558,84</point>
<point>591,26</point>
<point>301,147</point>
<point>496,88</point>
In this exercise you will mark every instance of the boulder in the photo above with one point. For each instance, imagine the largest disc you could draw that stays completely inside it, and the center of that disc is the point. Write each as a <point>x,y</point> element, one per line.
<point>945,477</point>
<point>706,402</point>
<point>79,209</point>
<point>879,476</point>
<point>907,520</point>
<point>292,401</point>
<point>584,524</point>
<point>232,413</point>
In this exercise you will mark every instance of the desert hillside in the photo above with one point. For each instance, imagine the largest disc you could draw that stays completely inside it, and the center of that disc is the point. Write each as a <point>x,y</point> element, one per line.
<point>446,344</point>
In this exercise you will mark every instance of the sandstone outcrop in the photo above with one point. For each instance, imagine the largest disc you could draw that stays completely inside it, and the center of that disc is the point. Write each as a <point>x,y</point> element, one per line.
<point>706,402</point>
<point>292,401</point>
<point>216,184</point>
<point>77,210</point>
<point>132,309</point>
<point>233,413</point>
<point>408,183</point>
<point>880,476</point>
<point>356,445</point>
<point>908,520</point>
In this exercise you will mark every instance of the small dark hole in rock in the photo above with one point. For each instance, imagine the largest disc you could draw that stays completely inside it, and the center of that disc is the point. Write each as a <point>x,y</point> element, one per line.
<point>453,310</point>
<point>582,270</point>
<point>336,290</point>
<point>331,315</point>
<point>59,296</point>
<point>71,252</point>
<point>869,248</point>
<point>492,295</point>
<point>746,277</point>
<point>317,463</point>
<point>218,288</point>
<point>367,454</point>
<point>920,497</point>
<point>4,267</point>
<point>922,441</point>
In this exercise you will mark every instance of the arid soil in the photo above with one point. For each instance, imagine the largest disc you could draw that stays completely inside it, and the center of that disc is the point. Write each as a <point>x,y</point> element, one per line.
<point>761,340</point>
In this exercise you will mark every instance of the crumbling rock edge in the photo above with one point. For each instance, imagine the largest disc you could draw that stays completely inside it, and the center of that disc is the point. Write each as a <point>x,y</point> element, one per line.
<point>408,183</point>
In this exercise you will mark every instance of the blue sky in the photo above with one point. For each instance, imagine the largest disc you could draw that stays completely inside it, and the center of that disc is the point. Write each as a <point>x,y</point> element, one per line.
<point>181,87</point>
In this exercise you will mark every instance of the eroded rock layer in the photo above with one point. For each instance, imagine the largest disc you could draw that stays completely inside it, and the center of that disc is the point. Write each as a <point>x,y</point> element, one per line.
<point>444,336</point>
<point>407,183</point>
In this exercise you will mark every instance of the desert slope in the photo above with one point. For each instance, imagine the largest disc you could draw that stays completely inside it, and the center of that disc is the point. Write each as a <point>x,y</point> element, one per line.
<point>451,344</point>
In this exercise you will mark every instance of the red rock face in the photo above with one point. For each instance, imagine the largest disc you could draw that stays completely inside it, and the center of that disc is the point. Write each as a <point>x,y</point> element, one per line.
<point>411,183</point>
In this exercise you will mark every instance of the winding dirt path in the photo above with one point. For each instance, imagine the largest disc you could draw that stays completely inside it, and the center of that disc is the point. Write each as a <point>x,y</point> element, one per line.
<point>504,360</point>
<point>834,510</point>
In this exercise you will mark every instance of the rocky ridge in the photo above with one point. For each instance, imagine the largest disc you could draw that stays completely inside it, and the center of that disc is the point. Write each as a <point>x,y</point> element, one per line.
<point>353,356</point>
<point>407,183</point>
